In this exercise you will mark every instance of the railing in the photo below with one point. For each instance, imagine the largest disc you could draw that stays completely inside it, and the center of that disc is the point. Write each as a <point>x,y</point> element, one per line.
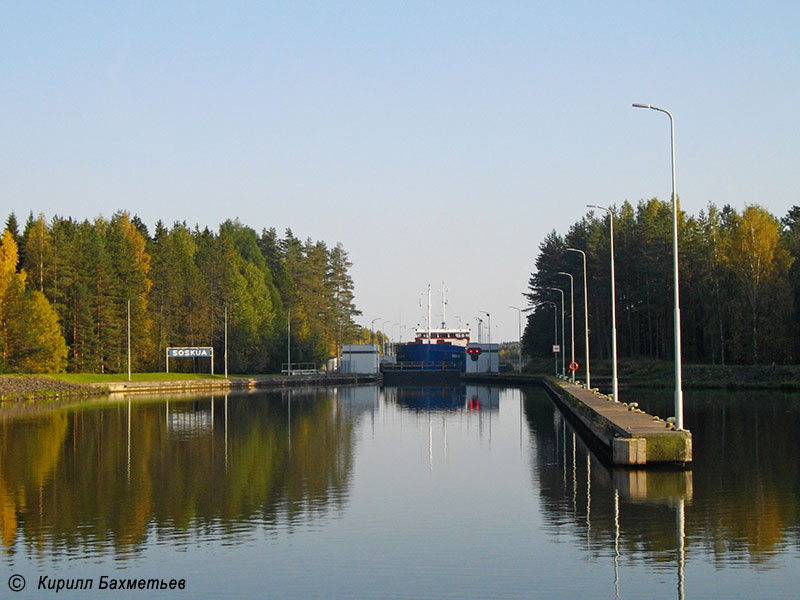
<point>299,369</point>
<point>422,366</point>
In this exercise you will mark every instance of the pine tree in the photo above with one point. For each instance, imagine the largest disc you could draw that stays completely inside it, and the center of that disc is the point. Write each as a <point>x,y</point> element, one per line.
<point>37,251</point>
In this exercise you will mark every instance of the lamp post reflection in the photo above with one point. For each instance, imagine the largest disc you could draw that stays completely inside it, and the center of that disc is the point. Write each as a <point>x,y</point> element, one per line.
<point>643,495</point>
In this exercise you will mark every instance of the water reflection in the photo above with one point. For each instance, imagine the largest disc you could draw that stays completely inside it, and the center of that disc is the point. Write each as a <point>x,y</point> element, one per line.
<point>202,465</point>
<point>746,471</point>
<point>435,398</point>
<point>404,490</point>
<point>608,507</point>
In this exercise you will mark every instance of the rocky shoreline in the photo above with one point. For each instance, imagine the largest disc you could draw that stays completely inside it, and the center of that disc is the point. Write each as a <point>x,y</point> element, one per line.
<point>35,387</point>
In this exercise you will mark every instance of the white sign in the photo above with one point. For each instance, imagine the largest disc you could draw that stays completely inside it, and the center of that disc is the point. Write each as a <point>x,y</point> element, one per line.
<point>191,352</point>
<point>203,351</point>
<point>556,348</point>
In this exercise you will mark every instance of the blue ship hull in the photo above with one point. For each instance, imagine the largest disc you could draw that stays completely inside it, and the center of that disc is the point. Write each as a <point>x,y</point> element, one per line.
<point>431,357</point>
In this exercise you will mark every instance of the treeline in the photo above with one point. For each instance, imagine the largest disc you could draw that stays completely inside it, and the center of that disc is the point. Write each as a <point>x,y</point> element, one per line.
<point>66,287</point>
<point>739,285</point>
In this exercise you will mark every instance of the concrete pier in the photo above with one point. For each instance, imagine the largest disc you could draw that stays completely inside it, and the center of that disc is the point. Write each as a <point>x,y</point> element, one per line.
<point>633,437</point>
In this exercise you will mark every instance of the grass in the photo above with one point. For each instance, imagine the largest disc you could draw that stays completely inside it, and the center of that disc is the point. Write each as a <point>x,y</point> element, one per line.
<point>660,373</point>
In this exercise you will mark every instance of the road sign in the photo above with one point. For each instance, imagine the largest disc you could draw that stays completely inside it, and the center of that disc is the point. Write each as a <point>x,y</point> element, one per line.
<point>191,352</point>
<point>556,348</point>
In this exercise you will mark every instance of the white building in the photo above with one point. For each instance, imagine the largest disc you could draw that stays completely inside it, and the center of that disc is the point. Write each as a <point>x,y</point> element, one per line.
<point>360,358</point>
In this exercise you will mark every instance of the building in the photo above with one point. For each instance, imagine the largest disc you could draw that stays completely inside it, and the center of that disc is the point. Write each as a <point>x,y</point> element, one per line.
<point>360,358</point>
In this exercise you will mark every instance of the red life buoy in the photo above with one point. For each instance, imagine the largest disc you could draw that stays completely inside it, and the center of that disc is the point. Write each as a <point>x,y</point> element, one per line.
<point>573,366</point>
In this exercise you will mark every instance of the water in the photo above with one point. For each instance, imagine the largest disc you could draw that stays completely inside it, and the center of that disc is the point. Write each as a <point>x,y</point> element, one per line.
<point>465,492</point>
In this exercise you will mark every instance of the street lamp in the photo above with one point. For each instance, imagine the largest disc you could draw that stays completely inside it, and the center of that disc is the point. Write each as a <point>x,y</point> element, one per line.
<point>288,345</point>
<point>383,330</point>
<point>372,330</point>
<point>490,337</point>
<point>563,339</point>
<point>555,331</point>
<point>391,336</point>
<point>483,312</point>
<point>555,328</point>
<point>571,317</point>
<point>129,339</point>
<point>614,386</point>
<point>677,309</point>
<point>480,323</point>
<point>519,327</point>
<point>585,314</point>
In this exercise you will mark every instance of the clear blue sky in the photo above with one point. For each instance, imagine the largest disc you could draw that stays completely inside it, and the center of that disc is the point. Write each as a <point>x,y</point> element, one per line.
<point>436,141</point>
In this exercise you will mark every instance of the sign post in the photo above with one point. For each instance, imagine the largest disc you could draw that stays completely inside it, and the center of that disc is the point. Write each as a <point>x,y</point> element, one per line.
<point>191,352</point>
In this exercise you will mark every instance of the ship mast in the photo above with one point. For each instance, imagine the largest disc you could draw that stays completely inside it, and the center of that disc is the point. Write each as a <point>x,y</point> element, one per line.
<point>429,313</point>
<point>444,305</point>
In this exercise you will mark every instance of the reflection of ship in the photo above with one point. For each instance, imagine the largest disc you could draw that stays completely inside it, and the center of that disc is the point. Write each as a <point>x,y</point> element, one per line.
<point>445,398</point>
<point>433,397</point>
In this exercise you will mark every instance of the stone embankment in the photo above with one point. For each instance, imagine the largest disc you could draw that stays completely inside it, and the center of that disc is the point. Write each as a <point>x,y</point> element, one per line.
<point>32,387</point>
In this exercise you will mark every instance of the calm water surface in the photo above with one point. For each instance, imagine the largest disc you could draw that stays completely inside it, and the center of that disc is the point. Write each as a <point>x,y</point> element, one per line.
<point>363,492</point>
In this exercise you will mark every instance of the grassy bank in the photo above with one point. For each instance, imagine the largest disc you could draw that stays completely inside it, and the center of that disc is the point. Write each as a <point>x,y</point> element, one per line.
<point>659,373</point>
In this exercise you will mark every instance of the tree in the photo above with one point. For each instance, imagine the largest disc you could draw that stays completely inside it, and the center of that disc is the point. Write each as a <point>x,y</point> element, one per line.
<point>755,255</point>
<point>37,250</point>
<point>127,248</point>
<point>341,296</point>
<point>30,336</point>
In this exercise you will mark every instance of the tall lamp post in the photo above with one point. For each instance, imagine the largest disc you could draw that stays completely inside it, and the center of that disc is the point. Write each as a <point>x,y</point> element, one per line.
<point>585,314</point>
<point>288,342</point>
<point>555,331</point>
<point>571,317</point>
<point>563,338</point>
<point>490,324</point>
<point>519,327</point>
<point>383,330</point>
<point>129,339</point>
<point>555,328</point>
<point>614,386</point>
<point>391,337</point>
<point>490,338</point>
<point>372,330</point>
<point>677,308</point>
<point>480,324</point>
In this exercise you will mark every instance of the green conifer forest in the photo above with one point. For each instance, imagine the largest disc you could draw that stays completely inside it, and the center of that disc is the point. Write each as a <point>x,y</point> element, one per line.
<point>65,288</point>
<point>739,285</point>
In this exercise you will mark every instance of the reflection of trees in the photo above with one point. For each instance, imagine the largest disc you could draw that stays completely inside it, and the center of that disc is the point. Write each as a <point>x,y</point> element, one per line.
<point>741,495</point>
<point>746,465</point>
<point>64,478</point>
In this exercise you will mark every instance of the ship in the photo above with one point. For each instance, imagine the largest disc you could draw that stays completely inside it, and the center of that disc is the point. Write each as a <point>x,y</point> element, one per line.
<point>441,349</point>
<point>434,352</point>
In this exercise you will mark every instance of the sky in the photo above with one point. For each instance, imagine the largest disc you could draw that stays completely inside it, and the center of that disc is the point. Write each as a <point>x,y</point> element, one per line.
<point>439,142</point>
